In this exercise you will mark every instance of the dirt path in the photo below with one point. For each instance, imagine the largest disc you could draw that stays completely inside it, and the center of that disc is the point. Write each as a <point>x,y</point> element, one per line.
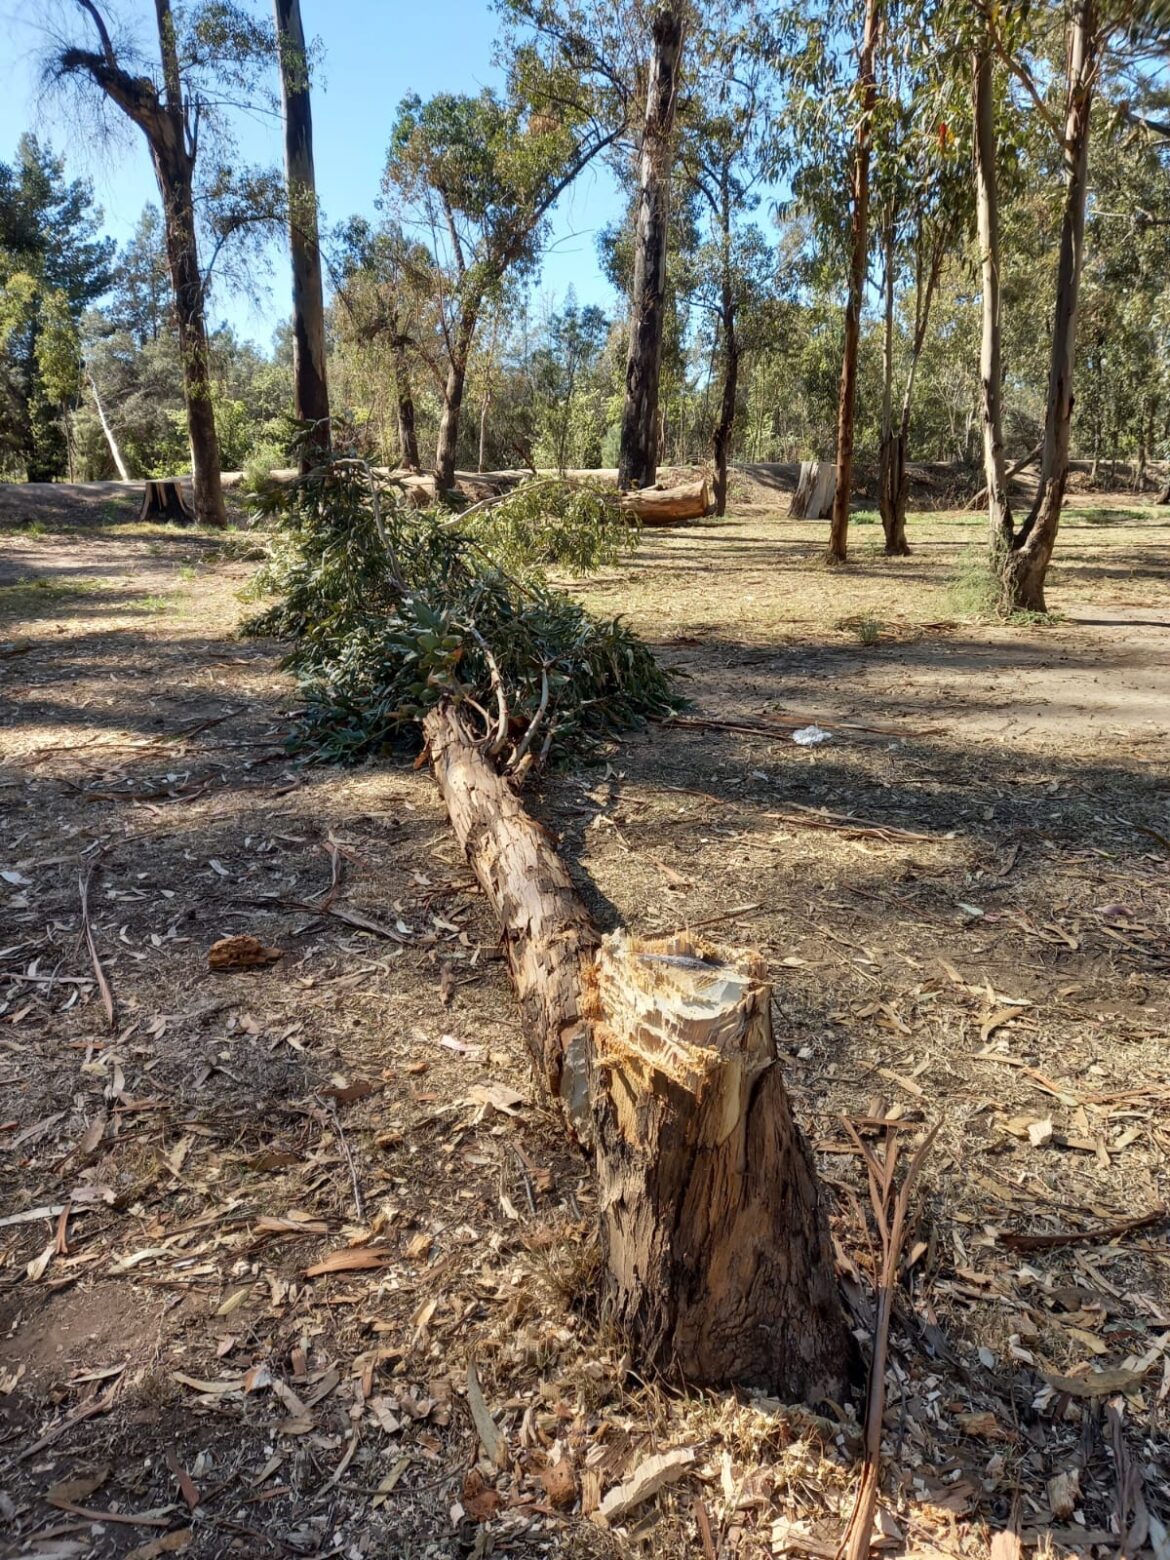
<point>986,940</point>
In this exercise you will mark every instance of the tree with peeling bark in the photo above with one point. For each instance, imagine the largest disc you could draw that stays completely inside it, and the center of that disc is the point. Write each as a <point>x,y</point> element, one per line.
<point>924,200</point>
<point>478,177</point>
<point>865,104</point>
<point>171,101</point>
<point>1020,553</point>
<point>638,452</point>
<point>731,276</point>
<point>310,387</point>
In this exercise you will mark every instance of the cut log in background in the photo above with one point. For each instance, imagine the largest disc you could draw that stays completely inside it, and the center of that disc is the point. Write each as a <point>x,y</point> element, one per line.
<point>164,500</point>
<point>667,506</point>
<point>816,488</point>
<point>718,1260</point>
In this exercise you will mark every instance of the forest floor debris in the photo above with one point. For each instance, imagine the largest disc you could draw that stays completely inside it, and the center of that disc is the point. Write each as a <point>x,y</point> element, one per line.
<point>260,1239</point>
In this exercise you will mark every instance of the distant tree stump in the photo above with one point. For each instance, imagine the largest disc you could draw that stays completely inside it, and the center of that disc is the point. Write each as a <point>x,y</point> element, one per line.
<point>815,491</point>
<point>164,500</point>
<point>717,1252</point>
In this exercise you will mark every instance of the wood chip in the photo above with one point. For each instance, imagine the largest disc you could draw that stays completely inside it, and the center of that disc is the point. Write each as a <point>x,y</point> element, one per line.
<point>652,1475</point>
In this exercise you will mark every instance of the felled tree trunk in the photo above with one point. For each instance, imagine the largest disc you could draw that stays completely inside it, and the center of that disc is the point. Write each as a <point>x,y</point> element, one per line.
<point>549,938</point>
<point>666,506</point>
<point>718,1258</point>
<point>815,491</point>
<point>165,501</point>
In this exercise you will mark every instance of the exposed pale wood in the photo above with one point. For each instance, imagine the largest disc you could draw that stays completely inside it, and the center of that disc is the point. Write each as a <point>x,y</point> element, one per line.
<point>664,506</point>
<point>718,1256</point>
<point>164,500</point>
<point>816,488</point>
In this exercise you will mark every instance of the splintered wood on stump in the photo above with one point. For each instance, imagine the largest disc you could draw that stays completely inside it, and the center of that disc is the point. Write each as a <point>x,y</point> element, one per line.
<point>165,501</point>
<point>717,1252</point>
<point>719,1261</point>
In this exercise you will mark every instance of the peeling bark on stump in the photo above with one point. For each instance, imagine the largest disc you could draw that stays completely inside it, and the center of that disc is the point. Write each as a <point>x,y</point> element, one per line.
<point>718,1256</point>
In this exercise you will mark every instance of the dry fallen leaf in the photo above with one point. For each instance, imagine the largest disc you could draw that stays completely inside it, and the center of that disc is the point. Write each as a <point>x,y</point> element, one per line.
<point>168,1544</point>
<point>1097,1383</point>
<point>480,1500</point>
<point>1064,1490</point>
<point>350,1259</point>
<point>560,1483</point>
<point>241,953</point>
<point>71,1492</point>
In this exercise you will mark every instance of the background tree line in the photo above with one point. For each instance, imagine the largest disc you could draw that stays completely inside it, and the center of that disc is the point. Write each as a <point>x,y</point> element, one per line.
<point>807,173</point>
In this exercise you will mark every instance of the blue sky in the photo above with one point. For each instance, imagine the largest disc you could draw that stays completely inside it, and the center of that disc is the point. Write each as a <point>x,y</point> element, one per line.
<point>374,53</point>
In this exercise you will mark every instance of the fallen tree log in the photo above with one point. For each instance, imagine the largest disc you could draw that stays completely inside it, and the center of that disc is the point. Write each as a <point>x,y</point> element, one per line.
<point>816,487</point>
<point>164,500</point>
<point>717,1253</point>
<point>666,506</point>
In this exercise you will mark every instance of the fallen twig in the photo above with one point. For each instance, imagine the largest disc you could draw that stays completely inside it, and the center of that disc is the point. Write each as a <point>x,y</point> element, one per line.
<point>855,1541</point>
<point>87,930</point>
<point>1023,1241</point>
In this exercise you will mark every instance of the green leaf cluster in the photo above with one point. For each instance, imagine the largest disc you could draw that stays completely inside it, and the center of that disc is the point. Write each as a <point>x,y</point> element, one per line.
<point>389,610</point>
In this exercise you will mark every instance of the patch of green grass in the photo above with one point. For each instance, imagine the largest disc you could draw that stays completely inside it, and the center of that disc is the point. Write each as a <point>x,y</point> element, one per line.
<point>29,597</point>
<point>972,590</point>
<point>151,603</point>
<point>1127,515</point>
<point>865,517</point>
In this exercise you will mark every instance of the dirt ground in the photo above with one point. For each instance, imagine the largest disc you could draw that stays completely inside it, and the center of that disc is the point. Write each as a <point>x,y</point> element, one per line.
<point>962,895</point>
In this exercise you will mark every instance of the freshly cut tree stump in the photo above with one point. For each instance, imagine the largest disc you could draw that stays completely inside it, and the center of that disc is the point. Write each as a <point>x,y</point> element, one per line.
<point>718,1255</point>
<point>666,506</point>
<point>165,501</point>
<point>815,490</point>
<point>719,1260</point>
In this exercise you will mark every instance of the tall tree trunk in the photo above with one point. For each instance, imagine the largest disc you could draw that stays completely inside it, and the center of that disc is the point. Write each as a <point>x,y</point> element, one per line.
<point>718,1256</point>
<point>116,453</point>
<point>171,132</point>
<point>310,388</point>
<point>183,258</point>
<point>448,441</point>
<point>1027,564</point>
<point>638,452</point>
<point>859,240</point>
<point>725,427</point>
<point>403,401</point>
<point>886,474</point>
<point>991,348</point>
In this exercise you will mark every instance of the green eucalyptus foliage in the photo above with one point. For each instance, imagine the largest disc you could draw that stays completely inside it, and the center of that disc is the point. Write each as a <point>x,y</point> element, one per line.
<point>390,610</point>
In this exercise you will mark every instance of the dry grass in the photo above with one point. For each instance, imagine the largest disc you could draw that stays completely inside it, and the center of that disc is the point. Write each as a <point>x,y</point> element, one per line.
<point>1006,970</point>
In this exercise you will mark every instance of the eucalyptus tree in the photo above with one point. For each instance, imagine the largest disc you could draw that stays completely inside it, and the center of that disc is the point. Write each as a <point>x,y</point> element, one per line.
<point>638,453</point>
<point>475,179</point>
<point>202,57</point>
<point>924,203</point>
<point>722,159</point>
<point>310,385</point>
